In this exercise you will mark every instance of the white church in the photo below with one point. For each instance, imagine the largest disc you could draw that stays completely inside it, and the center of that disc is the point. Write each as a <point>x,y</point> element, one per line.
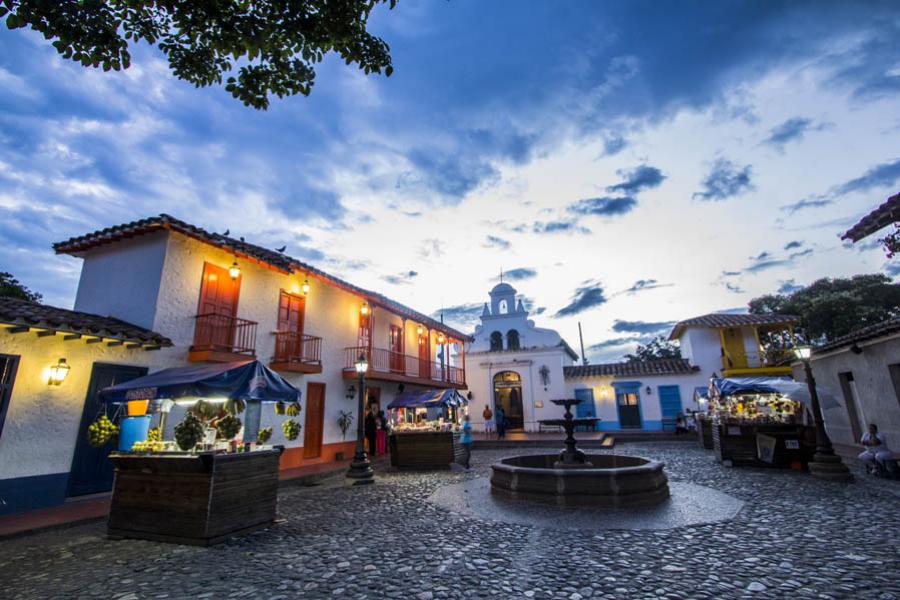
<point>520,367</point>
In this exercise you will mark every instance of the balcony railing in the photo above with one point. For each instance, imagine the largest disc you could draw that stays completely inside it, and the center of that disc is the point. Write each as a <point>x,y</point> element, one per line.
<point>297,348</point>
<point>387,362</point>
<point>224,333</point>
<point>773,357</point>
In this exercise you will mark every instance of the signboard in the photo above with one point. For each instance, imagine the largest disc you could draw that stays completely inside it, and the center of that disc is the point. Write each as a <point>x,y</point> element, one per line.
<point>765,448</point>
<point>732,430</point>
<point>792,444</point>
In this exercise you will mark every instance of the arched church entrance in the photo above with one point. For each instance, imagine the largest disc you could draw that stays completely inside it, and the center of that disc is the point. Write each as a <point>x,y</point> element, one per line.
<point>508,396</point>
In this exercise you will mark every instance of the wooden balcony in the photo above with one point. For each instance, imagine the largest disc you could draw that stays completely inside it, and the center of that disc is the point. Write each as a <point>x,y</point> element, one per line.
<point>385,365</point>
<point>222,338</point>
<point>776,361</point>
<point>297,352</point>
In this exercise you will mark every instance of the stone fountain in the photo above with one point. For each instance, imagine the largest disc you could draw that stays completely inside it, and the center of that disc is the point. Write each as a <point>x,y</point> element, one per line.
<point>569,478</point>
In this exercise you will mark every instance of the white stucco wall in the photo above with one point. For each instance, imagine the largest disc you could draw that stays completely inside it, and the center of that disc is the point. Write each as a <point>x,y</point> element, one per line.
<point>879,399</point>
<point>122,280</point>
<point>703,348</point>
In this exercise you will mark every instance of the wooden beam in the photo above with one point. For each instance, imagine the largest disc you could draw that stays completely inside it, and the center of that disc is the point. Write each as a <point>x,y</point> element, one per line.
<point>150,348</point>
<point>18,329</point>
<point>95,340</point>
<point>115,343</point>
<point>72,336</point>
<point>46,333</point>
<point>132,346</point>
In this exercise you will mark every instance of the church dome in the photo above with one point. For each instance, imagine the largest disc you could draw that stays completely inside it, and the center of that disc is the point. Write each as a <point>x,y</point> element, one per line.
<point>503,288</point>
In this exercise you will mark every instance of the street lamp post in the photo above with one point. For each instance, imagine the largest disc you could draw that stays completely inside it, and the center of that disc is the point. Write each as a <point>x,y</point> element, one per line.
<point>825,463</point>
<point>360,469</point>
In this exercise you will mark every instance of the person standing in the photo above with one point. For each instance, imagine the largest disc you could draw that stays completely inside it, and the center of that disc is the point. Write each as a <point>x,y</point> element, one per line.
<point>876,452</point>
<point>381,425</point>
<point>371,428</point>
<point>465,439</point>
<point>500,417</point>
<point>488,415</point>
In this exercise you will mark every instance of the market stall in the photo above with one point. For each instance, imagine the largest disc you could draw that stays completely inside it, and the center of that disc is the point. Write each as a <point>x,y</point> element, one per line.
<point>758,421</point>
<point>703,419</point>
<point>425,428</point>
<point>206,484</point>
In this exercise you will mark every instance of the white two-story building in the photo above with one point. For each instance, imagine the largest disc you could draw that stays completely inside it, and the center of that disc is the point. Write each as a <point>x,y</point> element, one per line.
<point>160,292</point>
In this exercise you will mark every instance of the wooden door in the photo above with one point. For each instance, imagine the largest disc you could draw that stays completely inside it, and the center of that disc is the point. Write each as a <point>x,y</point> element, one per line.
<point>217,308</point>
<point>373,396</point>
<point>669,405</point>
<point>9,364</point>
<point>91,471</point>
<point>424,356</point>
<point>291,308</point>
<point>629,408</point>
<point>396,348</point>
<point>315,420</point>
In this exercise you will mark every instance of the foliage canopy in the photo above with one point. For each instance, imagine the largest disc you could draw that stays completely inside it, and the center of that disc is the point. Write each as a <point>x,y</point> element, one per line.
<point>658,347</point>
<point>11,288</point>
<point>273,44</point>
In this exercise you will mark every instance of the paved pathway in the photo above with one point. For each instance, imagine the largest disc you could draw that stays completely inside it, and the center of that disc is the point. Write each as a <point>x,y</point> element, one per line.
<point>796,537</point>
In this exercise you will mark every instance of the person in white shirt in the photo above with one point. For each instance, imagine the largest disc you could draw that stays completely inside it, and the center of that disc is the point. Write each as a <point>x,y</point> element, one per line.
<point>876,447</point>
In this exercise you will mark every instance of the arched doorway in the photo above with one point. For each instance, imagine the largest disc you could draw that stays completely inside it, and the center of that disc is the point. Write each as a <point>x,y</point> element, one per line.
<point>508,396</point>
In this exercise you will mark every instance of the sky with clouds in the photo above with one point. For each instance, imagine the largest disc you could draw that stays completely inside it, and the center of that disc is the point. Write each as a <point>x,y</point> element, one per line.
<point>626,164</point>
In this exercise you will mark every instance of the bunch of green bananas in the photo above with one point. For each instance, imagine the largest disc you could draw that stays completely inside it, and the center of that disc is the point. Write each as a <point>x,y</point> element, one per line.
<point>291,429</point>
<point>235,407</point>
<point>154,435</point>
<point>228,426</point>
<point>264,435</point>
<point>205,410</point>
<point>188,432</point>
<point>279,408</point>
<point>101,431</point>
<point>293,409</point>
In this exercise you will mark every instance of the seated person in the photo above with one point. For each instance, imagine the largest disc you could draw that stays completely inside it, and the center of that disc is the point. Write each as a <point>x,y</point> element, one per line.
<point>876,450</point>
<point>680,425</point>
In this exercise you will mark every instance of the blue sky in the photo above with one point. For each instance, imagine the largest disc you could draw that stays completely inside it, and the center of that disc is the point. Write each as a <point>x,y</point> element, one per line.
<point>627,164</point>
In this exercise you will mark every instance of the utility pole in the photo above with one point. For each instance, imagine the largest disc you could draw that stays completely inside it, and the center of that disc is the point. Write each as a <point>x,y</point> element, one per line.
<point>581,339</point>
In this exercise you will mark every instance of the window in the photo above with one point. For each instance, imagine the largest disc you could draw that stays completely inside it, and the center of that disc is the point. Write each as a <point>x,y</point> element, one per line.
<point>512,340</point>
<point>496,341</point>
<point>289,339</point>
<point>8,366</point>
<point>851,401</point>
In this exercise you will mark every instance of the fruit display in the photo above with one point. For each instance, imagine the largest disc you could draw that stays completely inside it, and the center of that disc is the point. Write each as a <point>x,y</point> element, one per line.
<point>235,407</point>
<point>279,408</point>
<point>102,431</point>
<point>293,409</point>
<point>205,410</point>
<point>148,446</point>
<point>189,432</point>
<point>264,435</point>
<point>291,429</point>
<point>154,434</point>
<point>228,427</point>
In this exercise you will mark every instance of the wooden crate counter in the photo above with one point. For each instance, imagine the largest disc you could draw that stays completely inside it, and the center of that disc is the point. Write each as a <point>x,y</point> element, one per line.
<point>424,449</point>
<point>199,499</point>
<point>738,442</point>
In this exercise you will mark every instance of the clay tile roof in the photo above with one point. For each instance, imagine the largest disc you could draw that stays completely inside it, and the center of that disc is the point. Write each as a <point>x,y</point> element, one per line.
<point>278,260</point>
<point>719,320</point>
<point>860,335</point>
<point>881,217</point>
<point>16,312</point>
<point>660,366</point>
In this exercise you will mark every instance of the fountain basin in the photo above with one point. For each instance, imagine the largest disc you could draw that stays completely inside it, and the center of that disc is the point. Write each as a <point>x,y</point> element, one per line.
<point>607,480</point>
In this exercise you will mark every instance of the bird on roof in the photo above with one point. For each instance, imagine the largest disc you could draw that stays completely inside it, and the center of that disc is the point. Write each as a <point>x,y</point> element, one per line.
<point>242,239</point>
<point>282,249</point>
<point>227,231</point>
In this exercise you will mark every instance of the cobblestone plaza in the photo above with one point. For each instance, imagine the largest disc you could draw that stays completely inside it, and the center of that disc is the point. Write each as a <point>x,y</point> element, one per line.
<point>793,536</point>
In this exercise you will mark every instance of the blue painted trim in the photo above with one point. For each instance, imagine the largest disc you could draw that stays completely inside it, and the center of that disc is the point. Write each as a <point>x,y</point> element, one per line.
<point>30,493</point>
<point>626,385</point>
<point>652,425</point>
<point>614,426</point>
<point>608,425</point>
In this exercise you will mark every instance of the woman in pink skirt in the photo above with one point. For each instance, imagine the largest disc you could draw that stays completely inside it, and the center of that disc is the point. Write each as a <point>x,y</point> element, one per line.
<point>381,431</point>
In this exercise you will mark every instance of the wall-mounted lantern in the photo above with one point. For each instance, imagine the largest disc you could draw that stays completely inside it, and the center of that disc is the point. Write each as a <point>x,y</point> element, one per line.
<point>305,287</point>
<point>364,309</point>
<point>420,330</point>
<point>58,372</point>
<point>234,271</point>
<point>649,390</point>
<point>351,392</point>
<point>441,339</point>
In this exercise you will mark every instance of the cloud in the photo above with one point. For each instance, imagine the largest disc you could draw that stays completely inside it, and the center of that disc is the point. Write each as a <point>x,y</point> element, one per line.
<point>804,204</point>
<point>792,129</point>
<point>558,227</point>
<point>404,278</point>
<point>788,286</point>
<point>612,343</point>
<point>725,180</point>
<point>642,327</point>
<point>492,241</point>
<point>883,175</point>
<point>613,144</point>
<point>588,295</point>
<point>793,244</point>
<point>892,268</point>
<point>461,316</point>
<point>642,285</point>
<point>519,274</point>
<point>605,206</point>
<point>733,287</point>
<point>640,178</point>
<point>452,176</point>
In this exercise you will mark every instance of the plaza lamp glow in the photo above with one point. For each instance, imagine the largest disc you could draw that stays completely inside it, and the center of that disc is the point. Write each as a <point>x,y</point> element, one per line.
<point>58,372</point>
<point>305,287</point>
<point>234,271</point>
<point>441,339</point>
<point>360,470</point>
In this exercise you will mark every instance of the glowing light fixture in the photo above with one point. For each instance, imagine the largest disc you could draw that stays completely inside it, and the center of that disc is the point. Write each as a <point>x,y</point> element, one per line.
<point>803,352</point>
<point>361,364</point>
<point>58,372</point>
<point>441,339</point>
<point>420,330</point>
<point>305,287</point>
<point>364,309</point>
<point>234,271</point>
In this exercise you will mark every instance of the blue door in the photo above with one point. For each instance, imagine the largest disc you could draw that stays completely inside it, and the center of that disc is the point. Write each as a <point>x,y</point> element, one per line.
<point>91,470</point>
<point>587,407</point>
<point>670,405</point>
